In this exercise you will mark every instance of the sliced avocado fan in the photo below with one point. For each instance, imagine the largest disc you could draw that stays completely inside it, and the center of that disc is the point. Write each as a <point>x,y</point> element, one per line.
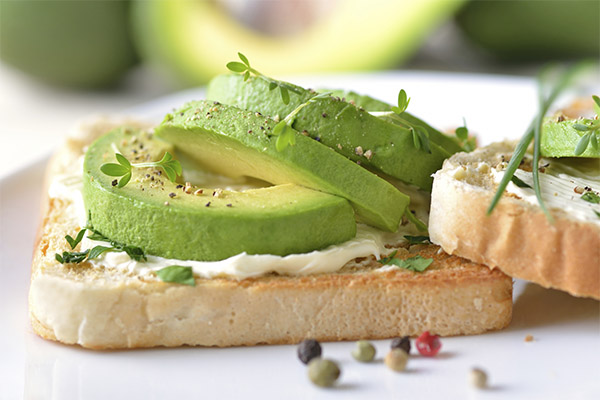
<point>236,142</point>
<point>352,132</point>
<point>186,222</point>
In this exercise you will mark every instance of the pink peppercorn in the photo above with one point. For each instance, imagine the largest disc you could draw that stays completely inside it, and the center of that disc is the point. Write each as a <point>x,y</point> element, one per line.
<point>428,345</point>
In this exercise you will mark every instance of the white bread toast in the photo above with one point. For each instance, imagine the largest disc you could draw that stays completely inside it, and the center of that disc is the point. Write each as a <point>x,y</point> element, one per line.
<point>516,237</point>
<point>101,308</point>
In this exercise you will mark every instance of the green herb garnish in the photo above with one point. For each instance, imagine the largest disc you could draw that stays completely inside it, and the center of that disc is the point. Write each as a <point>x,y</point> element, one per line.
<point>417,239</point>
<point>415,264</point>
<point>76,257</point>
<point>123,169</point>
<point>245,69</point>
<point>403,102</point>
<point>591,127</point>
<point>591,197</point>
<point>597,213</point>
<point>533,133</point>
<point>286,135</point>
<point>177,274</point>
<point>517,181</point>
<point>462,134</point>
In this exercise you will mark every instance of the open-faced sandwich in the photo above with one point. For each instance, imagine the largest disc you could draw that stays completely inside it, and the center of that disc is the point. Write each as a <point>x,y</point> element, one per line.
<point>267,213</point>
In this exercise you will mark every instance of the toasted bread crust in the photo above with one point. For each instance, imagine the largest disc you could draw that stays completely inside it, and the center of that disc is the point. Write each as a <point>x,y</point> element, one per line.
<point>516,237</point>
<point>101,308</point>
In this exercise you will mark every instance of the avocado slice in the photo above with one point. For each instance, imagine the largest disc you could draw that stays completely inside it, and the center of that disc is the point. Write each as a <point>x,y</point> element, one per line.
<point>560,138</point>
<point>169,221</point>
<point>448,143</point>
<point>237,142</point>
<point>350,131</point>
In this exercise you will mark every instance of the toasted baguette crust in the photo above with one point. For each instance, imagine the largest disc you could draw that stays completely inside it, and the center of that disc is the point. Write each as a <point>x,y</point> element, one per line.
<point>517,237</point>
<point>101,308</point>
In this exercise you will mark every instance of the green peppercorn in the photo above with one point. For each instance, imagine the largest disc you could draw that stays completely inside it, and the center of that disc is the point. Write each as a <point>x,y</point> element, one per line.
<point>308,349</point>
<point>396,360</point>
<point>401,343</point>
<point>364,351</point>
<point>322,372</point>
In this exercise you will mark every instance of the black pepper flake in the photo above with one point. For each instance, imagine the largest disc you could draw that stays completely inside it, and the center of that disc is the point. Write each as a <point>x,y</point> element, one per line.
<point>171,195</point>
<point>262,128</point>
<point>207,204</point>
<point>318,138</point>
<point>178,186</point>
<point>147,175</point>
<point>181,114</point>
<point>229,205</point>
<point>216,103</point>
<point>324,115</point>
<point>114,182</point>
<point>250,131</point>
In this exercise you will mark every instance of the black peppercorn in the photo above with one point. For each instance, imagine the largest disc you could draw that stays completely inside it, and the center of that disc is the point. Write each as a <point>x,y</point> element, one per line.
<point>308,349</point>
<point>401,343</point>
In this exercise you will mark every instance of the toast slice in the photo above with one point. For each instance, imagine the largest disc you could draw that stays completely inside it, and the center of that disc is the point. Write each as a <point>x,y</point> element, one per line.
<point>516,237</point>
<point>101,307</point>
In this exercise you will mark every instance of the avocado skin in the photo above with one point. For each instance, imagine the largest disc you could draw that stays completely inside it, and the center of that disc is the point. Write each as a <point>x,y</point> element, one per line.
<point>236,142</point>
<point>82,44</point>
<point>277,220</point>
<point>559,139</point>
<point>533,30</point>
<point>370,104</point>
<point>338,125</point>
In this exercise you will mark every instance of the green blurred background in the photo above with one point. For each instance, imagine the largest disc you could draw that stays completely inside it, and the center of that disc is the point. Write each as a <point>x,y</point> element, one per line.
<point>94,44</point>
<point>63,60</point>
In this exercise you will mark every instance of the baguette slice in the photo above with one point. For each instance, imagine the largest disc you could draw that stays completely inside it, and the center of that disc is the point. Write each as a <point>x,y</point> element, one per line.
<point>103,308</point>
<point>516,237</point>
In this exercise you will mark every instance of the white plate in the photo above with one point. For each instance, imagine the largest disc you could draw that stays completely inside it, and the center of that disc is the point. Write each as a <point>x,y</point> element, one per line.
<point>561,362</point>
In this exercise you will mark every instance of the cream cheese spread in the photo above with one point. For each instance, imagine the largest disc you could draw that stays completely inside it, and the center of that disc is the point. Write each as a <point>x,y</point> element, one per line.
<point>368,241</point>
<point>563,184</point>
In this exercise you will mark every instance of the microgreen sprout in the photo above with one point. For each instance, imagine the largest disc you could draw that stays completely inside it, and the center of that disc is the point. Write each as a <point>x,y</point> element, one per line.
<point>246,70</point>
<point>415,264</point>
<point>403,102</point>
<point>124,168</point>
<point>591,127</point>
<point>462,133</point>
<point>75,257</point>
<point>286,135</point>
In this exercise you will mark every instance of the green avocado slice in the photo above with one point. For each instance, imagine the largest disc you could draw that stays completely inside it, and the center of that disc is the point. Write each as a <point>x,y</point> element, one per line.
<point>237,142</point>
<point>166,220</point>
<point>350,131</point>
<point>560,138</point>
<point>370,104</point>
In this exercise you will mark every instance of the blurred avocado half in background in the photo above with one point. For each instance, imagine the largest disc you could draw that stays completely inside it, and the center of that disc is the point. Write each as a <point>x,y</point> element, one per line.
<point>83,43</point>
<point>93,43</point>
<point>195,39</point>
<point>533,30</point>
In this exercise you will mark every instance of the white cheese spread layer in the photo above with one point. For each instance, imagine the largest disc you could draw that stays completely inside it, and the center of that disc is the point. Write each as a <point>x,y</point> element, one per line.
<point>563,185</point>
<point>369,241</point>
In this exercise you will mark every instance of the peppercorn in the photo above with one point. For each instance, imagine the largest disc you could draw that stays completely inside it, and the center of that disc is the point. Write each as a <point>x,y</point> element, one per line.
<point>364,351</point>
<point>322,372</point>
<point>428,345</point>
<point>478,378</point>
<point>401,343</point>
<point>396,360</point>
<point>308,349</point>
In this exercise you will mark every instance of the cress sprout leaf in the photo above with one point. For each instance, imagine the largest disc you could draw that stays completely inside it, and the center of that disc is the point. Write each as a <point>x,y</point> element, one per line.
<point>177,274</point>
